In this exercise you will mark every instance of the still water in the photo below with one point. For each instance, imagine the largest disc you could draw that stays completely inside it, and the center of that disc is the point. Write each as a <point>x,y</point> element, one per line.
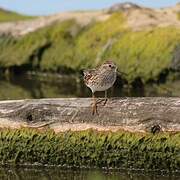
<point>54,86</point>
<point>46,173</point>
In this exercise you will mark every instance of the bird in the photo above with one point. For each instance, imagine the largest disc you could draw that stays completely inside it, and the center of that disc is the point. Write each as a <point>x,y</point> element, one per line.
<point>100,79</point>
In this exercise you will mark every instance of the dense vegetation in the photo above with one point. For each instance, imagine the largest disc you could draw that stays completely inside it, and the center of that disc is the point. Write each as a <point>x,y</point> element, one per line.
<point>91,149</point>
<point>67,46</point>
<point>178,15</point>
<point>9,16</point>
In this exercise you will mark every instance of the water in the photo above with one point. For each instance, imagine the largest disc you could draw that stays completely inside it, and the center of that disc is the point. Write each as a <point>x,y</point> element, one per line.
<point>46,173</point>
<point>53,86</point>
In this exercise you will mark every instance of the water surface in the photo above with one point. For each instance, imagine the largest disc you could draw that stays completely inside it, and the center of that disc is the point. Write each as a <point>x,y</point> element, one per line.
<point>54,86</point>
<point>55,173</point>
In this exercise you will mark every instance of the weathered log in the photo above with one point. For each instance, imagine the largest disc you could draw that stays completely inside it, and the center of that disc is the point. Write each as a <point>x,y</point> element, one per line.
<point>133,114</point>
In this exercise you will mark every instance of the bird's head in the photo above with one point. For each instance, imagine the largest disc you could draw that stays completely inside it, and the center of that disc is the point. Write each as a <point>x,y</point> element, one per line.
<point>109,65</point>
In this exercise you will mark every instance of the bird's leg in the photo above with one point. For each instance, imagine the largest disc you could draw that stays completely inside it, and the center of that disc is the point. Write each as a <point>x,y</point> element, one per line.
<point>94,106</point>
<point>104,99</point>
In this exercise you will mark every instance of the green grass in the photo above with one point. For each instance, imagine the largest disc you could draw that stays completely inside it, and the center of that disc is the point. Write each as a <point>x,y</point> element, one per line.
<point>178,15</point>
<point>91,43</point>
<point>45,49</point>
<point>61,53</point>
<point>77,48</point>
<point>67,46</point>
<point>8,16</point>
<point>91,149</point>
<point>59,45</point>
<point>145,54</point>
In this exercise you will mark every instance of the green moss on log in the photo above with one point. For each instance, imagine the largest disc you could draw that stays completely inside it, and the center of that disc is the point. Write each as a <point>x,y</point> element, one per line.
<point>91,149</point>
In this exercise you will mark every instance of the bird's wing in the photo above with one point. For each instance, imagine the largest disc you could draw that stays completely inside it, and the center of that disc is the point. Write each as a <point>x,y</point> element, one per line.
<point>88,74</point>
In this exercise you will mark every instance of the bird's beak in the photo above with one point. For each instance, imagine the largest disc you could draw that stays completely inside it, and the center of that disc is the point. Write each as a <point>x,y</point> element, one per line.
<point>121,73</point>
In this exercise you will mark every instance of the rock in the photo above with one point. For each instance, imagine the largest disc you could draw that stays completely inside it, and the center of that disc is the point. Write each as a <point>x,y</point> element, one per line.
<point>121,7</point>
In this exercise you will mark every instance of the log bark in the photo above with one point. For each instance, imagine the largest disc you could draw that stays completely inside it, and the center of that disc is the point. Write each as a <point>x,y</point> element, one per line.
<point>148,114</point>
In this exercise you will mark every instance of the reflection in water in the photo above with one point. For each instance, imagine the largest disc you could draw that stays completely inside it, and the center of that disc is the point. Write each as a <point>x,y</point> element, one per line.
<point>55,173</point>
<point>43,86</point>
<point>28,86</point>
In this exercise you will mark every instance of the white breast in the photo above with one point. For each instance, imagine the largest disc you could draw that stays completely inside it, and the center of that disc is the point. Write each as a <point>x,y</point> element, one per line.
<point>103,86</point>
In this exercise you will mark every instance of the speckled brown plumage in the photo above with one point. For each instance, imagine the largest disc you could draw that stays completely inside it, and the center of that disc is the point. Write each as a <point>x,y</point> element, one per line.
<point>100,79</point>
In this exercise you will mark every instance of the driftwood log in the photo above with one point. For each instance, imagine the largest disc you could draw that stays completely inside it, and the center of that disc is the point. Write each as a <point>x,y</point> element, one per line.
<point>133,114</point>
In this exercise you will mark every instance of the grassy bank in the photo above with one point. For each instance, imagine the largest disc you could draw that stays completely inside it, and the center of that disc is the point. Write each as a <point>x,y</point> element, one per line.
<point>178,16</point>
<point>9,16</point>
<point>68,47</point>
<point>91,149</point>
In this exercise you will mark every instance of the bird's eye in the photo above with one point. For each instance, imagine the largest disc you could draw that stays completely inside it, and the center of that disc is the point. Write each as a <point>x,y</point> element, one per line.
<point>110,65</point>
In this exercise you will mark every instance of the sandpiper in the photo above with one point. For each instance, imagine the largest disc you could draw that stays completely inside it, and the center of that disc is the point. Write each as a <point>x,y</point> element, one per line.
<point>100,79</point>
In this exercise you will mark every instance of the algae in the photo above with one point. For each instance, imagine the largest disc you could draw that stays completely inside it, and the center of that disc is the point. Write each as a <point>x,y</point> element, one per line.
<point>91,149</point>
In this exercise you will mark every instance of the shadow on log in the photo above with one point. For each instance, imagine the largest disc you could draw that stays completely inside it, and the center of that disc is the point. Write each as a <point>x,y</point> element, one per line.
<point>132,114</point>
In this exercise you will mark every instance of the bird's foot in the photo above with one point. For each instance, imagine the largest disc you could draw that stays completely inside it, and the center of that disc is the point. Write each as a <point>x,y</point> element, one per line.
<point>105,101</point>
<point>102,100</point>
